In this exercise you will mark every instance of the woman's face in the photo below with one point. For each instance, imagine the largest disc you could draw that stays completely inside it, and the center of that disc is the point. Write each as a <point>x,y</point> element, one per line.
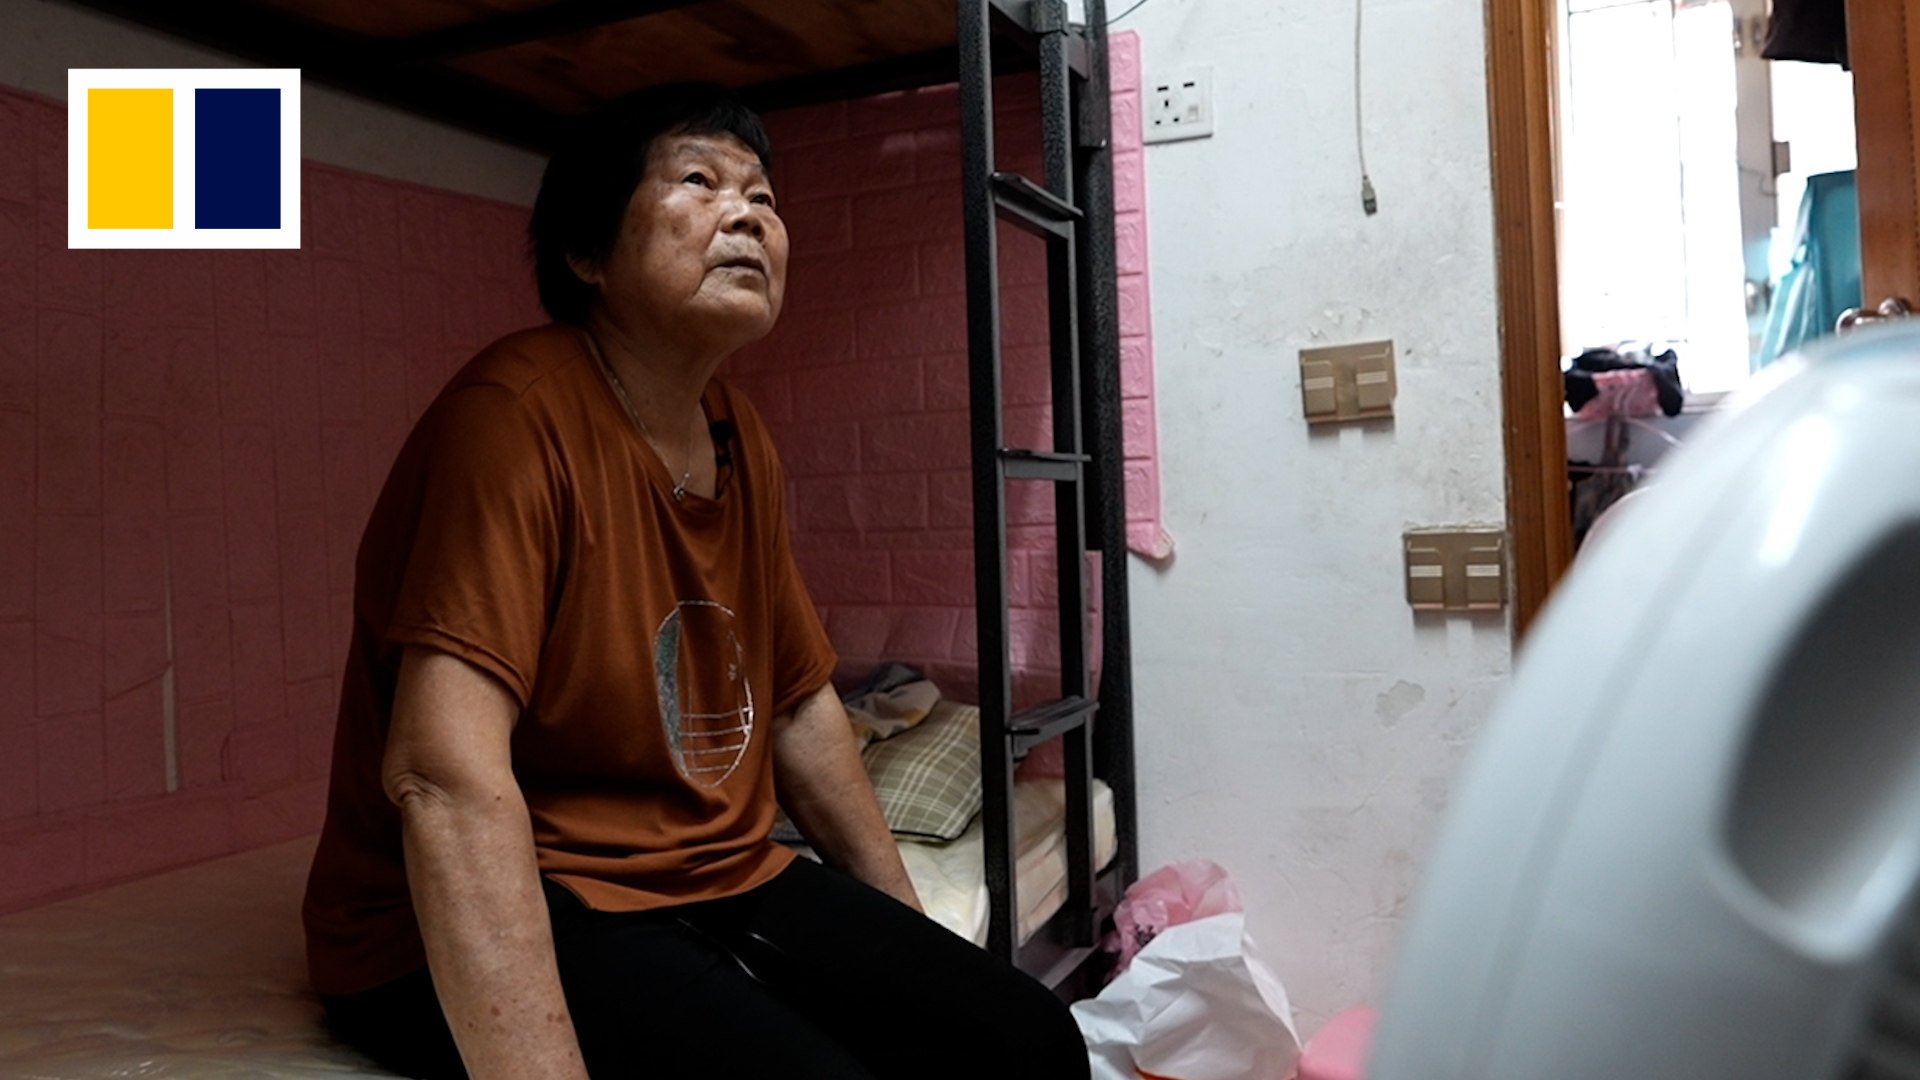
<point>701,251</point>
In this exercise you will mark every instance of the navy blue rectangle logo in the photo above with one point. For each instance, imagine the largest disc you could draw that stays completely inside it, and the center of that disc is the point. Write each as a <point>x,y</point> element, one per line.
<point>236,159</point>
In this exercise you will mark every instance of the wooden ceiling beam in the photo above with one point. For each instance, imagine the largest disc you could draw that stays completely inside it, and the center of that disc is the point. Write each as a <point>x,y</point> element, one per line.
<point>251,31</point>
<point>932,68</point>
<point>512,28</point>
<point>345,61</point>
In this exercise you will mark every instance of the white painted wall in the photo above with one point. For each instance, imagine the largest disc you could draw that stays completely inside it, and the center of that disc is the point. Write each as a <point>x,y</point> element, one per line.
<point>41,39</point>
<point>1296,722</point>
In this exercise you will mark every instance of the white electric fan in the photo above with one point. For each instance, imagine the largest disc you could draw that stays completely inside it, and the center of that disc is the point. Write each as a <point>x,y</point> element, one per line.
<point>1688,844</point>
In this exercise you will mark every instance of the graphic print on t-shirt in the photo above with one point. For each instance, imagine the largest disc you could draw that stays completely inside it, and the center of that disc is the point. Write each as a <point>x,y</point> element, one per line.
<point>706,705</point>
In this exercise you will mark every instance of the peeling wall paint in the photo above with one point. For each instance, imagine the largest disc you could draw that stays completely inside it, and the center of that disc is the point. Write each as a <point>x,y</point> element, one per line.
<point>1297,723</point>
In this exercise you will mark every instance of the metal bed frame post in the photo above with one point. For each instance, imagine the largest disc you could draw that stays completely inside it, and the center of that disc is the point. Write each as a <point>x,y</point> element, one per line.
<point>989,494</point>
<point>1059,135</point>
<point>1100,322</point>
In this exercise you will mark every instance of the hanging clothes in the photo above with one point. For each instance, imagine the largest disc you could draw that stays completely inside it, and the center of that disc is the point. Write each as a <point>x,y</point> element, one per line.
<point>1824,279</point>
<point>1592,487</point>
<point>1627,380</point>
<point>1811,30</point>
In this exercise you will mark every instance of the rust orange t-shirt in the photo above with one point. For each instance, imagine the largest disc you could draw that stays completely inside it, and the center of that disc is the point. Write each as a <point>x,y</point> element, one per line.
<point>528,529</point>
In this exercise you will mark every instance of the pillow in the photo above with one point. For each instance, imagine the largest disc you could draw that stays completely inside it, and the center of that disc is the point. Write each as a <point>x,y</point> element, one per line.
<point>926,779</point>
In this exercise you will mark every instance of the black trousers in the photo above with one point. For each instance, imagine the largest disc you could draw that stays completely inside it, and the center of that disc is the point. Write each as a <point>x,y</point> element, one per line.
<point>812,975</point>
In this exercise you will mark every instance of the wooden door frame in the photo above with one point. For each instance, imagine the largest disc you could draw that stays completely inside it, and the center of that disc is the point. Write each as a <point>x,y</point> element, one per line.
<point>1884,41</point>
<point>1521,91</point>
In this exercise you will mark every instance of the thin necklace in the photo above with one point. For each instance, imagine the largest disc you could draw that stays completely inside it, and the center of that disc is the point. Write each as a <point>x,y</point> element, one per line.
<point>620,390</point>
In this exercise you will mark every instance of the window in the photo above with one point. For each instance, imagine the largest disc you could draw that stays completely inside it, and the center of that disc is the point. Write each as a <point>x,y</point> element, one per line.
<point>1674,223</point>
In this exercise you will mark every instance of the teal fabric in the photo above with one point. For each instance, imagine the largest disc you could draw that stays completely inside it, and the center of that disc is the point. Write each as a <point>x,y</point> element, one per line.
<point>1824,279</point>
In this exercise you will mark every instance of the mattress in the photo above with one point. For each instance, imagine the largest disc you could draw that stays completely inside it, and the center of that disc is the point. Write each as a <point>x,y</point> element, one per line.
<point>196,973</point>
<point>951,878</point>
<point>201,972</point>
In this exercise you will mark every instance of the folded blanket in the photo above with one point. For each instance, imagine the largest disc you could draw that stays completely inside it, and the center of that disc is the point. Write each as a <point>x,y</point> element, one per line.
<point>882,714</point>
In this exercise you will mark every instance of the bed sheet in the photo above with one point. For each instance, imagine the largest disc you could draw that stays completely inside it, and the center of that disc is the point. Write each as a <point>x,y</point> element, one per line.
<point>201,972</point>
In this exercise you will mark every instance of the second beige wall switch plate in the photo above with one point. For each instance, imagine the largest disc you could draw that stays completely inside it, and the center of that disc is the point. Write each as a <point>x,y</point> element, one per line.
<point>1456,569</point>
<point>1348,382</point>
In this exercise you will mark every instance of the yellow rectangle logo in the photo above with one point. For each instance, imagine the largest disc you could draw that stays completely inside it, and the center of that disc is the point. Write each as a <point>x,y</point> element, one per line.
<point>130,158</point>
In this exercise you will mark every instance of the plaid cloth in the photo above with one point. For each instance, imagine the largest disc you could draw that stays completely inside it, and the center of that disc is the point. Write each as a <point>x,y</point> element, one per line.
<point>927,779</point>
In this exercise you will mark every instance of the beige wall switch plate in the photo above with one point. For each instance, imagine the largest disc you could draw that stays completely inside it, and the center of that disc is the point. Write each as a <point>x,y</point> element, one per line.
<point>1316,391</point>
<point>1456,569</point>
<point>1373,383</point>
<point>1426,578</point>
<point>1486,577</point>
<point>1348,382</point>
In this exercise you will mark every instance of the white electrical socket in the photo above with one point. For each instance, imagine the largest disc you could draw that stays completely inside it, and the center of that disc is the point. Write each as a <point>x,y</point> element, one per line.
<point>1178,106</point>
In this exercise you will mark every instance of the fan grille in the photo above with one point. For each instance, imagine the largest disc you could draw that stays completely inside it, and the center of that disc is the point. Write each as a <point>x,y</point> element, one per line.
<point>1890,1046</point>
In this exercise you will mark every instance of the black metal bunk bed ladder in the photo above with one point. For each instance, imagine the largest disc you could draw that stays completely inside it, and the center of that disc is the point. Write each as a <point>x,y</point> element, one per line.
<point>1082,313</point>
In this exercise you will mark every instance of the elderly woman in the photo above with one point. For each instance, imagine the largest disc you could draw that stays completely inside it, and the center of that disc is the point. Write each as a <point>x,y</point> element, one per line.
<point>583,663</point>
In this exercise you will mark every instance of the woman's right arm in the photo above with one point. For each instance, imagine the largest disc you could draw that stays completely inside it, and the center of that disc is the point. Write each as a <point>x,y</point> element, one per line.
<point>470,866</point>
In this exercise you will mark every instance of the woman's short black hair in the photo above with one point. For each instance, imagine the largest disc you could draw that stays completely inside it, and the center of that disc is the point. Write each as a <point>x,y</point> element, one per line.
<point>601,160</point>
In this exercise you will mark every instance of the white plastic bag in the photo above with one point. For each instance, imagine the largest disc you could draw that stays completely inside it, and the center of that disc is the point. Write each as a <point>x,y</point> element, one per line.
<point>1196,1004</point>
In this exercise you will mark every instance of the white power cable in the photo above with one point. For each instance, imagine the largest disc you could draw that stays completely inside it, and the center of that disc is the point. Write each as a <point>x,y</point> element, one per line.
<point>1369,199</point>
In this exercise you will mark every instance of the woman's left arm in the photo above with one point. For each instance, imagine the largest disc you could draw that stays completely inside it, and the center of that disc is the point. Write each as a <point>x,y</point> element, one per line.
<point>816,767</point>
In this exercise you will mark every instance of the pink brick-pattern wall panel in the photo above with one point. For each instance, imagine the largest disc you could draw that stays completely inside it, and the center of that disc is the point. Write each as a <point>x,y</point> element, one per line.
<point>865,380</point>
<point>189,445</point>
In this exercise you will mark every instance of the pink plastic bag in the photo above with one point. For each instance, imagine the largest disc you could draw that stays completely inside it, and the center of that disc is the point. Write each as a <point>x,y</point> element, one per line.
<point>1170,896</point>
